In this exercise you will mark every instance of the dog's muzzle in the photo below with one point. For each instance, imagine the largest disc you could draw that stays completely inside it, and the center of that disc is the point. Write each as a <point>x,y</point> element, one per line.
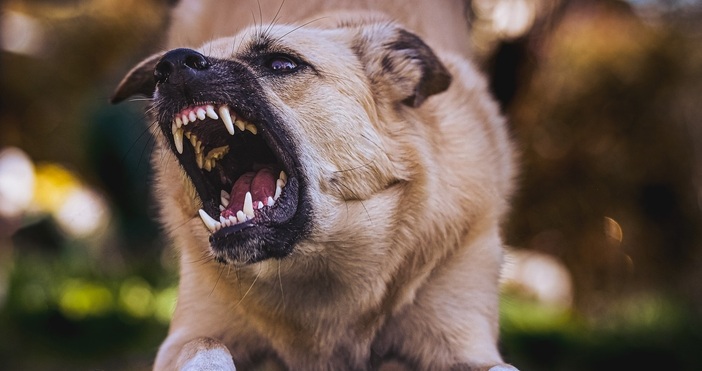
<point>236,151</point>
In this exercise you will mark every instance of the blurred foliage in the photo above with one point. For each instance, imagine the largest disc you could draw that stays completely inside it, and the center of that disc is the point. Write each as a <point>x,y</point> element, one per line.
<point>603,99</point>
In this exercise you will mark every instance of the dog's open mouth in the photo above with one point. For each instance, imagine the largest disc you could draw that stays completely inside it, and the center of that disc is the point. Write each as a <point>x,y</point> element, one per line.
<point>240,170</point>
<point>242,173</point>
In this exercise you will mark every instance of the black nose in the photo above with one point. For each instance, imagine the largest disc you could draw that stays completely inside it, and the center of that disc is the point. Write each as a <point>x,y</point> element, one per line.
<point>179,61</point>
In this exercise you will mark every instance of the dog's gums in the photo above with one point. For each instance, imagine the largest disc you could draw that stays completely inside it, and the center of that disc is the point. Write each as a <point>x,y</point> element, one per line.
<point>241,198</point>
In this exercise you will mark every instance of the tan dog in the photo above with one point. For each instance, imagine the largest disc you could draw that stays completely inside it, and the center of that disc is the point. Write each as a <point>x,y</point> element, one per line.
<point>335,190</point>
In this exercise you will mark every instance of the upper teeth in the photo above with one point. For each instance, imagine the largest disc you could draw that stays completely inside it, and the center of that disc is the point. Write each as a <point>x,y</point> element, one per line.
<point>230,121</point>
<point>247,211</point>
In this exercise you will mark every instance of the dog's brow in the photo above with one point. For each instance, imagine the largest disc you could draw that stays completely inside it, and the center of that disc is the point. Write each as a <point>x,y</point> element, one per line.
<point>260,44</point>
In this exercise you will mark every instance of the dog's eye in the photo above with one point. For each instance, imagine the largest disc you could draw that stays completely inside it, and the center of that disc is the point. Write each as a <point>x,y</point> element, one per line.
<point>281,63</point>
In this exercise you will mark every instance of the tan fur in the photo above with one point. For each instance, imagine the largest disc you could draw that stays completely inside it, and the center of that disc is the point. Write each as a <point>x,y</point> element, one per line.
<point>404,254</point>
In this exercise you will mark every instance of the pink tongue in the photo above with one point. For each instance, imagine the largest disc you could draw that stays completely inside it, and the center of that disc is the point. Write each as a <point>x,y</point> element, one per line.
<point>261,184</point>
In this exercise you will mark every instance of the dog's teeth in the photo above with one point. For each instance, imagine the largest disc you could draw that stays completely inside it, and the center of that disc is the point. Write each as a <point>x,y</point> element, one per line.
<point>240,124</point>
<point>224,194</point>
<point>179,122</point>
<point>193,139</point>
<point>210,223</point>
<point>248,205</point>
<point>224,114</point>
<point>224,198</point>
<point>192,116</point>
<point>278,191</point>
<point>221,208</point>
<point>209,110</point>
<point>283,176</point>
<point>178,139</point>
<point>270,202</point>
<point>217,153</point>
<point>252,128</point>
<point>185,119</point>
<point>227,122</point>
<point>201,114</point>
<point>232,219</point>
<point>259,205</point>
<point>241,217</point>
<point>200,159</point>
<point>208,165</point>
<point>280,183</point>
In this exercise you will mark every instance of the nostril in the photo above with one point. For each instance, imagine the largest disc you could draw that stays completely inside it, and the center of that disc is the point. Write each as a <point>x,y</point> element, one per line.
<point>179,61</point>
<point>197,61</point>
<point>163,70</point>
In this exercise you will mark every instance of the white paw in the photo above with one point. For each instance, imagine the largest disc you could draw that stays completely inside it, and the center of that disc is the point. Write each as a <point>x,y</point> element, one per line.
<point>504,367</point>
<point>205,354</point>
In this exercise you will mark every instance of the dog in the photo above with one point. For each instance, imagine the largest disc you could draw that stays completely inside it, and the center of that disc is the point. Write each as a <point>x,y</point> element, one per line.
<point>335,187</point>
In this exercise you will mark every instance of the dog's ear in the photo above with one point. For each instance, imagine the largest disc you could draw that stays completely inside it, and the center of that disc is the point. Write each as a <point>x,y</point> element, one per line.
<point>139,81</point>
<point>400,64</point>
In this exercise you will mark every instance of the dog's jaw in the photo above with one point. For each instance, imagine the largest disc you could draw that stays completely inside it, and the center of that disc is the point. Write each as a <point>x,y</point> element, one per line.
<point>241,162</point>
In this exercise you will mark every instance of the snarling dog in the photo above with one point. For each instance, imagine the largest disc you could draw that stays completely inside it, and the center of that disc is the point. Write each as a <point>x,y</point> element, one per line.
<point>335,191</point>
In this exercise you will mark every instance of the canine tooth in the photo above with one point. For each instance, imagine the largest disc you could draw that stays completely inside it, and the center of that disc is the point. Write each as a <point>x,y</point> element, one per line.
<point>270,201</point>
<point>209,110</point>
<point>252,128</point>
<point>179,122</point>
<point>224,198</point>
<point>192,116</point>
<point>228,123</point>
<point>278,191</point>
<point>200,159</point>
<point>248,205</point>
<point>201,114</point>
<point>178,139</point>
<point>283,176</point>
<point>280,183</point>
<point>224,112</point>
<point>185,119</point>
<point>210,223</point>
<point>241,217</point>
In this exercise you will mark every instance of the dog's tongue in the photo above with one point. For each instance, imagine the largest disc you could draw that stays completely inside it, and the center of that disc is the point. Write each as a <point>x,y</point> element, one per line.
<point>260,183</point>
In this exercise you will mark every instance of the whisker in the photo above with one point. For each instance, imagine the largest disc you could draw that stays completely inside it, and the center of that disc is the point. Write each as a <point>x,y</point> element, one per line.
<point>280,282</point>
<point>297,28</point>
<point>275,17</point>
<point>250,287</point>
<point>221,271</point>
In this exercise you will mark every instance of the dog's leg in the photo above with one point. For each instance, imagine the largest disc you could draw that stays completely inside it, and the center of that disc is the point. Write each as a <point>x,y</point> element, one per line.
<point>205,354</point>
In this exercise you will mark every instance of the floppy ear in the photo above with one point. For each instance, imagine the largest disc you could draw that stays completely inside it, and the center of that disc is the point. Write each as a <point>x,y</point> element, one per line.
<point>139,81</point>
<point>400,65</point>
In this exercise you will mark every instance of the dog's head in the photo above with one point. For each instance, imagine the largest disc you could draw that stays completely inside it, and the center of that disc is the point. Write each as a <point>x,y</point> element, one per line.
<point>278,129</point>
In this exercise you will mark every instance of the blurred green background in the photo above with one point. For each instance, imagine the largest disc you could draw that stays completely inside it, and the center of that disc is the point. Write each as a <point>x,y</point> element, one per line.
<point>604,99</point>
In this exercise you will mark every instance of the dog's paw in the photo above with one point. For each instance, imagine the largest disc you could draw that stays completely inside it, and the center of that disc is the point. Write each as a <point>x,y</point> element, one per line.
<point>503,367</point>
<point>205,354</point>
